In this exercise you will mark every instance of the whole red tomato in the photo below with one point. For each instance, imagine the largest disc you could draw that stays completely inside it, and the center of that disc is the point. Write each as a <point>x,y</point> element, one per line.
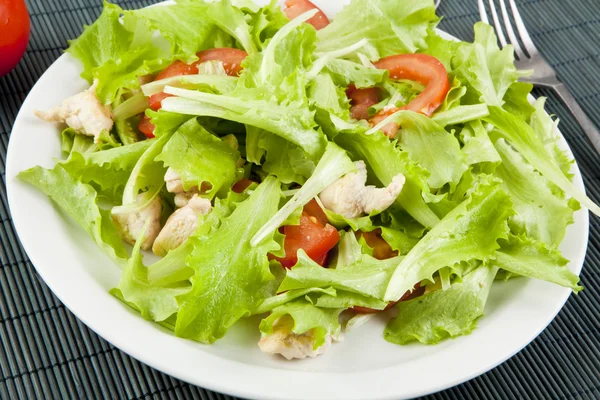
<point>14,33</point>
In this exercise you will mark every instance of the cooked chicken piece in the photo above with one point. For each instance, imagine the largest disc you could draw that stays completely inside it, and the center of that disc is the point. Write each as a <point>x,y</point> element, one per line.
<point>289,344</point>
<point>180,225</point>
<point>82,112</point>
<point>350,197</point>
<point>130,225</point>
<point>183,198</point>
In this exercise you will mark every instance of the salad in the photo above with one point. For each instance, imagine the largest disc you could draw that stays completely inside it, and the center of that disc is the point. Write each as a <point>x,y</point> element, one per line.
<point>313,172</point>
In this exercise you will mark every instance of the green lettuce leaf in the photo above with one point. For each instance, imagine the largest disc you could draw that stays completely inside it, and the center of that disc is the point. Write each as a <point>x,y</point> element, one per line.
<point>391,27</point>
<point>433,148</point>
<point>199,156</point>
<point>547,131</point>
<point>443,313</point>
<point>228,271</point>
<point>117,53</point>
<point>487,70</point>
<point>305,317</point>
<point>478,147</point>
<point>283,159</point>
<point>522,255</point>
<point>154,302</point>
<point>469,232</point>
<point>78,200</point>
<point>187,27</point>
<point>344,72</point>
<point>108,169</point>
<point>527,142</point>
<point>540,213</point>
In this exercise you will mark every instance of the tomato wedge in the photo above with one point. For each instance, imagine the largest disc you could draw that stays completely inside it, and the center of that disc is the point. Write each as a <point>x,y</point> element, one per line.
<point>232,63</point>
<point>416,292</point>
<point>314,209</point>
<point>295,8</point>
<point>381,249</point>
<point>361,100</point>
<point>312,235</point>
<point>421,68</point>
<point>146,127</point>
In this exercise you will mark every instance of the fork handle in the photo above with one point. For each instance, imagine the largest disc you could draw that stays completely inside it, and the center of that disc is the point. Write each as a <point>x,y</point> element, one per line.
<point>586,123</point>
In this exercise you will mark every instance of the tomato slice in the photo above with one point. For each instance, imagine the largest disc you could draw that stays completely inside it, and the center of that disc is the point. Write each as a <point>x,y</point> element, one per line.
<point>146,127</point>
<point>241,185</point>
<point>231,59</point>
<point>314,209</point>
<point>314,235</point>
<point>361,100</point>
<point>295,8</point>
<point>381,249</point>
<point>421,68</point>
<point>232,63</point>
<point>417,291</point>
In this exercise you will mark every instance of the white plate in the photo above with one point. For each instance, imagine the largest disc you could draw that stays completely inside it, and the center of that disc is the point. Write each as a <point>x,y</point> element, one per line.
<point>363,366</point>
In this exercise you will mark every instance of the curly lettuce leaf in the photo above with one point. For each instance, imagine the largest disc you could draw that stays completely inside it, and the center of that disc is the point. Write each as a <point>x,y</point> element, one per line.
<point>108,169</point>
<point>478,147</point>
<point>228,271</point>
<point>116,52</point>
<point>539,212</point>
<point>154,302</point>
<point>435,149</point>
<point>277,156</point>
<point>187,27</point>
<point>525,256</point>
<point>79,201</point>
<point>468,232</point>
<point>391,27</point>
<point>487,71</point>
<point>443,313</point>
<point>305,316</point>
<point>198,156</point>
<point>516,131</point>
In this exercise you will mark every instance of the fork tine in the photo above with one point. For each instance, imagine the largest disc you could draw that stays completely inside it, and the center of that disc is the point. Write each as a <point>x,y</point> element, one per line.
<point>497,24</point>
<point>525,38</point>
<point>511,32</point>
<point>482,13</point>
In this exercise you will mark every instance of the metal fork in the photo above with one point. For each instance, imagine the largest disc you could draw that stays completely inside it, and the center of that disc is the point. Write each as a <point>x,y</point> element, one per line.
<point>530,58</point>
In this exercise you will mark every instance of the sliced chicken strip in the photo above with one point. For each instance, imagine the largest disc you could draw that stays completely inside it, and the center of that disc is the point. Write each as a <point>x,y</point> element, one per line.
<point>82,112</point>
<point>180,225</point>
<point>349,196</point>
<point>289,344</point>
<point>130,225</point>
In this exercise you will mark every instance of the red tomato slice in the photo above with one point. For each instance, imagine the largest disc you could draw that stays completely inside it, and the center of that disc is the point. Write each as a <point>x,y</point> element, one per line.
<point>381,249</point>
<point>146,127</point>
<point>231,58</point>
<point>14,25</point>
<point>421,68</point>
<point>417,291</point>
<point>314,209</point>
<point>241,185</point>
<point>295,8</point>
<point>361,100</point>
<point>312,236</point>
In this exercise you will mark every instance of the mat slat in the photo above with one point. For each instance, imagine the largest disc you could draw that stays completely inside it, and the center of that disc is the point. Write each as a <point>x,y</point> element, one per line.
<point>46,352</point>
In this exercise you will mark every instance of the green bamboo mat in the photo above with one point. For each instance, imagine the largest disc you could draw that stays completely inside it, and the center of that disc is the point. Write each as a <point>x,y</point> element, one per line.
<point>46,352</point>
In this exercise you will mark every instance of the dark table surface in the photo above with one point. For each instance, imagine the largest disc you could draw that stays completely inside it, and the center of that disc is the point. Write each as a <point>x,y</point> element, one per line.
<point>46,352</point>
